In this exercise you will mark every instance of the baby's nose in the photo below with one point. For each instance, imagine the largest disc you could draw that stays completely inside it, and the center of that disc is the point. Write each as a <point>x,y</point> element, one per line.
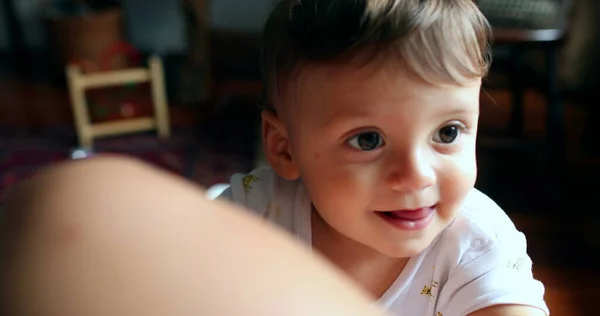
<point>411,174</point>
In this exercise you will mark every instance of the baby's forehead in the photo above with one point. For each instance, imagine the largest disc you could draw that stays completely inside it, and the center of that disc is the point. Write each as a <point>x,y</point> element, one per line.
<point>352,82</point>
<point>338,92</point>
<point>341,79</point>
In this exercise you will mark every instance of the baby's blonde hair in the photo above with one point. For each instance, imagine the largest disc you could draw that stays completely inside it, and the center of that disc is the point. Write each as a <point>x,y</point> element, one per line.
<point>441,41</point>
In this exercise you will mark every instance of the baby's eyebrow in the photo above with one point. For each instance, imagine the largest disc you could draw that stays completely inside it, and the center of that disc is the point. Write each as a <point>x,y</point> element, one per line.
<point>463,110</point>
<point>346,119</point>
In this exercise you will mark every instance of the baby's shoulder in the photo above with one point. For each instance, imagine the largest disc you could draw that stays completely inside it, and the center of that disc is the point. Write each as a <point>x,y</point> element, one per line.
<point>481,227</point>
<point>483,216</point>
<point>261,191</point>
<point>481,260</point>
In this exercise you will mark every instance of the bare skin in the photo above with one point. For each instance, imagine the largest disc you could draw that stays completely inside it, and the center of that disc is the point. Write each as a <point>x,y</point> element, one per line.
<point>111,236</point>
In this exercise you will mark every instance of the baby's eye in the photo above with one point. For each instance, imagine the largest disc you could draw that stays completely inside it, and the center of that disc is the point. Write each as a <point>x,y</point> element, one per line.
<point>447,134</point>
<point>366,141</point>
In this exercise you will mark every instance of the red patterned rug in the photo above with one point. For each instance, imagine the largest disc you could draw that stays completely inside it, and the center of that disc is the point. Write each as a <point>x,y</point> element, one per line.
<point>201,164</point>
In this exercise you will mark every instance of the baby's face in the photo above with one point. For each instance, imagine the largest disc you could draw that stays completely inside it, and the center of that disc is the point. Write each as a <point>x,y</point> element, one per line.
<point>386,158</point>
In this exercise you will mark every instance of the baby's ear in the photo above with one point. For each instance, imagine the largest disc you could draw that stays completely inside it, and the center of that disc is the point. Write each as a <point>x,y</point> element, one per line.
<point>276,145</point>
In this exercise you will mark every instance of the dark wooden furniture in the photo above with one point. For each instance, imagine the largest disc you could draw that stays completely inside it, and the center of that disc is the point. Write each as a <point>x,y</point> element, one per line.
<point>16,39</point>
<point>519,43</point>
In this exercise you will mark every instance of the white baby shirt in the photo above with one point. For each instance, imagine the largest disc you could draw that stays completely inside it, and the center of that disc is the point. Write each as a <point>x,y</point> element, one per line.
<point>478,261</point>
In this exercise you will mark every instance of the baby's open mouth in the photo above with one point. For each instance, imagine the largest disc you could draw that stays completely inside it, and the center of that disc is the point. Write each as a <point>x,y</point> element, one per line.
<point>410,215</point>
<point>409,219</point>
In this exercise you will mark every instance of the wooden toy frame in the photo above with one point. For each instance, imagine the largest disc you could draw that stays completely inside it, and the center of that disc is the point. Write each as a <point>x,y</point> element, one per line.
<point>79,83</point>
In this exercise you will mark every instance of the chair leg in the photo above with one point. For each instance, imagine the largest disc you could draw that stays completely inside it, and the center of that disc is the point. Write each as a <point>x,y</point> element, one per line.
<point>517,89</point>
<point>161,110</point>
<point>79,107</point>
<point>555,129</point>
<point>589,141</point>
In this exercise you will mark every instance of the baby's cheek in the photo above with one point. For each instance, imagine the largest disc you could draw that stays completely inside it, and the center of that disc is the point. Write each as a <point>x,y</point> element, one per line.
<point>461,169</point>
<point>335,184</point>
<point>468,174</point>
<point>454,193</point>
<point>334,192</point>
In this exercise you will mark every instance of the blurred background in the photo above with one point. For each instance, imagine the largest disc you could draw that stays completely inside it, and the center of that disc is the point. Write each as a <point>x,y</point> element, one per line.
<point>194,109</point>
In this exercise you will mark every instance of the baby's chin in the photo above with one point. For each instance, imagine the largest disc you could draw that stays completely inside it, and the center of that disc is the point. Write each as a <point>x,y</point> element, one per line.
<point>406,248</point>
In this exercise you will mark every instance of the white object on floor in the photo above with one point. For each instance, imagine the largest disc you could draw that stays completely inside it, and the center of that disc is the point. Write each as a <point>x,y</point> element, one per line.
<point>216,190</point>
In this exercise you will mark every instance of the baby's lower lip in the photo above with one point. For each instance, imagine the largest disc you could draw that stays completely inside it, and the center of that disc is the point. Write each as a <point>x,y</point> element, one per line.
<point>409,219</point>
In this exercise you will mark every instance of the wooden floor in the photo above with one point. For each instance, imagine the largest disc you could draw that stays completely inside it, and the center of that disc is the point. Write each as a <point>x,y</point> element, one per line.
<point>561,244</point>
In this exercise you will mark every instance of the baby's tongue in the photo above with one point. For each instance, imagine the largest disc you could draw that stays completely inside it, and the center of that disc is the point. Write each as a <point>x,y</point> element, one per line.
<point>409,215</point>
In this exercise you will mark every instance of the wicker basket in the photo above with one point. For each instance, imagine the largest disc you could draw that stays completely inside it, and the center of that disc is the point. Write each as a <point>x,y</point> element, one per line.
<point>525,14</point>
<point>72,38</point>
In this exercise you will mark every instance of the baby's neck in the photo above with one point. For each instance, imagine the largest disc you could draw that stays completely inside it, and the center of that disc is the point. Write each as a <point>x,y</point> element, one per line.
<point>371,269</point>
